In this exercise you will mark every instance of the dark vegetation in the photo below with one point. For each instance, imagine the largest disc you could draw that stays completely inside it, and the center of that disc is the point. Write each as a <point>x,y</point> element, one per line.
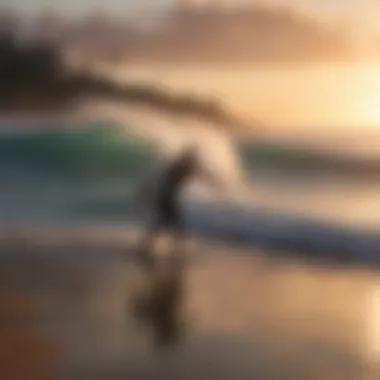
<point>34,78</point>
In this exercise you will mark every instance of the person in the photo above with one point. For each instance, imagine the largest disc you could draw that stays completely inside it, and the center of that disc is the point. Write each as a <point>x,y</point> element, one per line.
<point>164,192</point>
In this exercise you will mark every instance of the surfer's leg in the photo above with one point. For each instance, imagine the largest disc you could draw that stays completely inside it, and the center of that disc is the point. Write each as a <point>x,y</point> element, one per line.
<point>145,250</point>
<point>178,232</point>
<point>178,254</point>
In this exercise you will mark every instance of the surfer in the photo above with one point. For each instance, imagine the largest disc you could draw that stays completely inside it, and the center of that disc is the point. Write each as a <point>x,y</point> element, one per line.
<point>164,192</point>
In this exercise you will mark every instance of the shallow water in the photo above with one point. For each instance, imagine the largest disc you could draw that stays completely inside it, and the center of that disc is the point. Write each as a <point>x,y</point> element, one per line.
<point>312,217</point>
<point>349,202</point>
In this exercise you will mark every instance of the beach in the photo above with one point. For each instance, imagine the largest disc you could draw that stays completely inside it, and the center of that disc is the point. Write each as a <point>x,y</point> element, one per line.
<point>250,313</point>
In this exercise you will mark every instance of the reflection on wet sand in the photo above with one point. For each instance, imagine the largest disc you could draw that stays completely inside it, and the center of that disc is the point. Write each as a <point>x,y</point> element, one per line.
<point>158,305</point>
<point>245,314</point>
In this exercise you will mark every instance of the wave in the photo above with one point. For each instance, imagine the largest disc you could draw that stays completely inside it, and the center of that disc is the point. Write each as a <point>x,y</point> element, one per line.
<point>102,150</point>
<point>97,151</point>
<point>307,160</point>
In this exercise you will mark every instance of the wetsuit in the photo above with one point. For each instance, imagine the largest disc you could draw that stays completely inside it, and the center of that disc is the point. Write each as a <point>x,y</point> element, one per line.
<point>167,205</point>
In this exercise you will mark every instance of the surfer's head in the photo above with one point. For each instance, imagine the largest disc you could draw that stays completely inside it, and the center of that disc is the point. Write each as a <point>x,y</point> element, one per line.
<point>188,157</point>
<point>189,153</point>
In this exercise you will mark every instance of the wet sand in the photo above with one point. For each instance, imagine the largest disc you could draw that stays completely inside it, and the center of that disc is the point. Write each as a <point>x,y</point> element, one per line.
<point>248,314</point>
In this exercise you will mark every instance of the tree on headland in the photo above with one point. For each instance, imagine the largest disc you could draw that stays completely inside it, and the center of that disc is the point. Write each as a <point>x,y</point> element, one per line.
<point>34,77</point>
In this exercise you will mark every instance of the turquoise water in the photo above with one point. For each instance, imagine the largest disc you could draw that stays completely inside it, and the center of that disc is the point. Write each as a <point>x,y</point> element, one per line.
<point>94,152</point>
<point>103,151</point>
<point>103,159</point>
<point>84,176</point>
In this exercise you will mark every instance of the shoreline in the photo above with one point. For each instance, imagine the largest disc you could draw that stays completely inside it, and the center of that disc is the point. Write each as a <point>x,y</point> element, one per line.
<point>280,310</point>
<point>286,238</point>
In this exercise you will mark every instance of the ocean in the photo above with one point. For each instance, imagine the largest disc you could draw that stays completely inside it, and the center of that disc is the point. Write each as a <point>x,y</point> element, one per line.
<point>296,198</point>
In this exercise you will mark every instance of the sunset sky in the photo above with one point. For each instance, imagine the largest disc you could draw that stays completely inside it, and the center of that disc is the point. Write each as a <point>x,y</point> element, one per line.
<point>345,95</point>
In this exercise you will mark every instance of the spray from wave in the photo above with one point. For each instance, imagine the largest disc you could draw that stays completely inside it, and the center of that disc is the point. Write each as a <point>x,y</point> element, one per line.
<point>167,135</point>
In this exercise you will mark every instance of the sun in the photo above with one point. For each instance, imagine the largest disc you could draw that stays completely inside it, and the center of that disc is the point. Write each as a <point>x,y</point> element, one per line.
<point>365,108</point>
<point>372,112</point>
